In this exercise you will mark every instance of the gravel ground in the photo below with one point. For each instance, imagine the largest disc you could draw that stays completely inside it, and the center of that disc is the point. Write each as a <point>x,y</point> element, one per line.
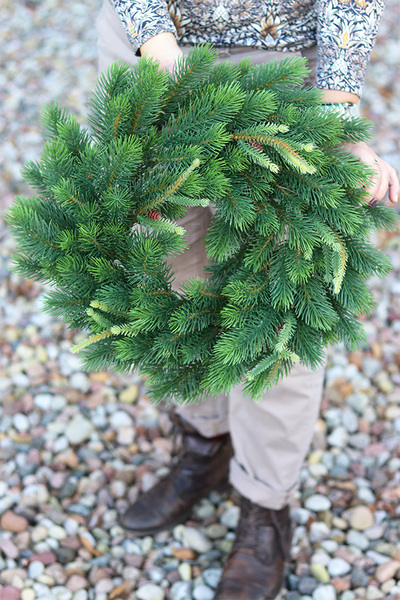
<point>76,448</point>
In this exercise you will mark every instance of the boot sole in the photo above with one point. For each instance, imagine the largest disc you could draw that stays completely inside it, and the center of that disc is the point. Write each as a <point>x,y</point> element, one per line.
<point>222,487</point>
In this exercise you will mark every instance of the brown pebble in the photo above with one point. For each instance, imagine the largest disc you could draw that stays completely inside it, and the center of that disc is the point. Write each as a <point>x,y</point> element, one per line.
<point>88,546</point>
<point>184,553</point>
<point>12,522</point>
<point>387,570</point>
<point>72,542</point>
<point>122,591</point>
<point>98,573</point>
<point>20,438</point>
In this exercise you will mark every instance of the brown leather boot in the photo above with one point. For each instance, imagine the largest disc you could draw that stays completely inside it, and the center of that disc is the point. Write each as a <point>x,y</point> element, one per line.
<point>202,465</point>
<point>255,566</point>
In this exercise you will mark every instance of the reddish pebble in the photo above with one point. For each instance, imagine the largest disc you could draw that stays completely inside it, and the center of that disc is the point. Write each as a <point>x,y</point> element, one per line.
<point>11,522</point>
<point>46,558</point>
<point>341,583</point>
<point>9,548</point>
<point>134,560</point>
<point>9,592</point>
<point>77,582</point>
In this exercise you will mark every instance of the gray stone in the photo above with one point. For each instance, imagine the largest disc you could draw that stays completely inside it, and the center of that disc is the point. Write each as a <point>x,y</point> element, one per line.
<point>212,576</point>
<point>359,578</point>
<point>355,538</point>
<point>181,590</point>
<point>371,367</point>
<point>360,440</point>
<point>307,585</point>
<point>349,420</point>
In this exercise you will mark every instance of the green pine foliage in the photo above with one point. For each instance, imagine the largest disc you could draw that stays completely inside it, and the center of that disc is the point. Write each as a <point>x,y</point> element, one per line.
<point>288,246</point>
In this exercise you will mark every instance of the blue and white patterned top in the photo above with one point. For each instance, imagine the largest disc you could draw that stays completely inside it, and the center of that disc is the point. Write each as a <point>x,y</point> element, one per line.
<point>344,30</point>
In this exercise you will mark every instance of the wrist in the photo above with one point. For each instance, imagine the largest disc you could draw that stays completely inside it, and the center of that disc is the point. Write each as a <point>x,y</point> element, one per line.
<point>338,96</point>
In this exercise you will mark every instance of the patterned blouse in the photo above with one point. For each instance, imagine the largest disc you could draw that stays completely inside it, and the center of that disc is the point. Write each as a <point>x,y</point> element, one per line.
<point>344,30</point>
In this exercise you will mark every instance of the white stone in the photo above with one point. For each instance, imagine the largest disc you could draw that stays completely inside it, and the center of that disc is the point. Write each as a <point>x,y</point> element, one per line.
<point>126,435</point>
<point>120,419</point>
<point>21,422</point>
<point>324,592</point>
<point>185,571</point>
<point>69,363</point>
<point>320,558</point>
<point>338,438</point>
<point>317,503</point>
<point>59,592</point>
<point>150,591</point>
<point>80,382</point>
<point>230,517</point>
<point>28,594</point>
<point>80,595</point>
<point>43,401</point>
<point>337,567</point>
<point>374,593</point>
<point>35,569</point>
<point>57,532</point>
<point>203,592</point>
<point>196,540</point>
<point>319,531</point>
<point>79,430</point>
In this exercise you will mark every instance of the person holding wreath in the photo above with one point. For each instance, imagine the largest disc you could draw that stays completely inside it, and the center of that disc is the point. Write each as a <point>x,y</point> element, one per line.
<point>259,447</point>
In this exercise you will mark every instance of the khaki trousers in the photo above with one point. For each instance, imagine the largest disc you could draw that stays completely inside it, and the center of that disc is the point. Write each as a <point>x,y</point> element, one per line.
<point>270,438</point>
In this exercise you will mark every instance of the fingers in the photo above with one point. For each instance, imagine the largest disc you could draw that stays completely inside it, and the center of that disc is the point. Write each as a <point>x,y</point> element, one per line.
<point>385,180</point>
<point>394,185</point>
<point>378,189</point>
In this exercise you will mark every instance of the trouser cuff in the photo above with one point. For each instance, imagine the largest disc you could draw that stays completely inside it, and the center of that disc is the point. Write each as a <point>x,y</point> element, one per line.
<point>258,491</point>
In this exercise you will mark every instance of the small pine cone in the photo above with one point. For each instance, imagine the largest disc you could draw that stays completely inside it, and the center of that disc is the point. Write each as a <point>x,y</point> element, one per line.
<point>256,145</point>
<point>154,215</point>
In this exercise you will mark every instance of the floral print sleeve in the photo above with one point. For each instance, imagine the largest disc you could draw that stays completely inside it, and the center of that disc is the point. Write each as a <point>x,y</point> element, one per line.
<point>346,31</point>
<point>143,19</point>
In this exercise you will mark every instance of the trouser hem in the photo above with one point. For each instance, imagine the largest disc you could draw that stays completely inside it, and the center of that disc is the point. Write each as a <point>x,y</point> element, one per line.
<point>258,491</point>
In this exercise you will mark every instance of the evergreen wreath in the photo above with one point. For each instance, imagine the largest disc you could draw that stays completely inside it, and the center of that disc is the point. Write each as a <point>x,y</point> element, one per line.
<point>288,246</point>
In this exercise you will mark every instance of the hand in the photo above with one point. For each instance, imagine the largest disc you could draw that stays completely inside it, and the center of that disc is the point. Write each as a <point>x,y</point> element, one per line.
<point>385,175</point>
<point>164,48</point>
